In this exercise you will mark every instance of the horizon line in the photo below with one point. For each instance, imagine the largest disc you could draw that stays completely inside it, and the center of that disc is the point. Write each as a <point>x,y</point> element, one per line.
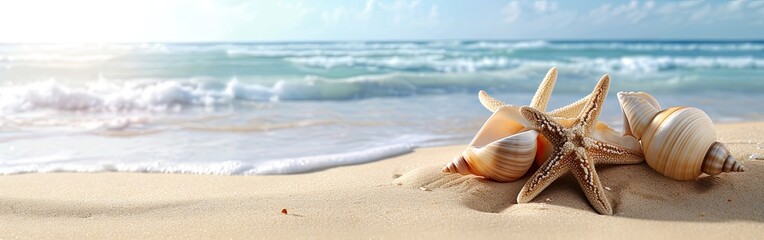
<point>704,40</point>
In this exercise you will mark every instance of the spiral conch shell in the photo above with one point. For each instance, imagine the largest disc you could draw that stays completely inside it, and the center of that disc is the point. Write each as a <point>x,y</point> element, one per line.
<point>506,146</point>
<point>678,142</point>
<point>504,160</point>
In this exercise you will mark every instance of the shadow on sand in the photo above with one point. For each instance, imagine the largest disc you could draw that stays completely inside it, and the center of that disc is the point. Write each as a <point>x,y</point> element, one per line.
<point>636,191</point>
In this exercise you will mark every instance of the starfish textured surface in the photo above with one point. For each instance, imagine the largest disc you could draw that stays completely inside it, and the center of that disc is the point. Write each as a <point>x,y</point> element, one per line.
<point>540,98</point>
<point>490,103</point>
<point>576,151</point>
<point>544,92</point>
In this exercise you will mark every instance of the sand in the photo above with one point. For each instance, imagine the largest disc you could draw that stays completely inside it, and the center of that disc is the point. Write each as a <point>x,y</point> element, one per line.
<point>401,197</point>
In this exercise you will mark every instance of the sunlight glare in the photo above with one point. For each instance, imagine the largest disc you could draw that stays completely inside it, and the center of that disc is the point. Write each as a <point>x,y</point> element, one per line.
<point>74,21</point>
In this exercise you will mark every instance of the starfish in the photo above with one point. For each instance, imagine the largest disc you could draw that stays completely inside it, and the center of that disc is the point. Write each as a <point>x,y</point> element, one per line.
<point>576,151</point>
<point>540,99</point>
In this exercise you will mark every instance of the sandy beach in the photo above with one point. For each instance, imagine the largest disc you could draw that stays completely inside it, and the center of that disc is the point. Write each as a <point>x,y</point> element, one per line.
<point>401,197</point>
<point>292,119</point>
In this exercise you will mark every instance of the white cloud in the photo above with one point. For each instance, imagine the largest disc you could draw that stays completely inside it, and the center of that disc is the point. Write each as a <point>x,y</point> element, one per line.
<point>650,4</point>
<point>334,15</point>
<point>635,12</point>
<point>433,15</point>
<point>756,4</point>
<point>399,5</point>
<point>298,8</point>
<point>647,18</point>
<point>405,12</point>
<point>511,12</point>
<point>399,11</point>
<point>701,14</point>
<point>367,10</point>
<point>689,4</point>
<point>735,5</point>
<point>545,6</point>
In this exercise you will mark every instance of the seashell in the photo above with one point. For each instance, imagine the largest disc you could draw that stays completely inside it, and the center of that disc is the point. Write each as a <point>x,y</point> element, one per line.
<point>507,120</point>
<point>509,158</point>
<point>503,160</point>
<point>678,142</point>
<point>506,128</point>
<point>505,146</point>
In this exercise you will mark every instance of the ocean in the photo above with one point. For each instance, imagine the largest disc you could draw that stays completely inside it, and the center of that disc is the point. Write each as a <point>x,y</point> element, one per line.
<point>283,108</point>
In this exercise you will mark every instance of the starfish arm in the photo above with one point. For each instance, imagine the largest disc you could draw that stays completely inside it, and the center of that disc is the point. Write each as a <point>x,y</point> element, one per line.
<point>589,181</point>
<point>552,169</point>
<point>490,103</point>
<point>588,116</point>
<point>608,153</point>
<point>551,130</point>
<point>541,98</point>
<point>571,110</point>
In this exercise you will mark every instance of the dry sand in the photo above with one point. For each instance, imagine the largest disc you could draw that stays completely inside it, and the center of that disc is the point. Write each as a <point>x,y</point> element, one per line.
<point>401,197</point>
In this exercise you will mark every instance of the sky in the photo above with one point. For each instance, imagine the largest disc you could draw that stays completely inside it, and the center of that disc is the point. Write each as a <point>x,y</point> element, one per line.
<point>296,20</point>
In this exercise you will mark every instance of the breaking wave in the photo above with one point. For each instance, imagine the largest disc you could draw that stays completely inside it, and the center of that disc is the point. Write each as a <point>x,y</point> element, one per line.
<point>439,63</point>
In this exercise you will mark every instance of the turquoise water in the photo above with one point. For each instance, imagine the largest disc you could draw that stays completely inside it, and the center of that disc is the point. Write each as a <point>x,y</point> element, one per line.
<point>270,108</point>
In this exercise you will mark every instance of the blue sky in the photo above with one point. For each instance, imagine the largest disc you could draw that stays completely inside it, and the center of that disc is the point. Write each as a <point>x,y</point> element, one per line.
<point>238,20</point>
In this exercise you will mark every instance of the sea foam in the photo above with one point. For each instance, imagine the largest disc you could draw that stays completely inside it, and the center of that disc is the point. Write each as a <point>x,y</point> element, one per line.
<point>439,63</point>
<point>464,75</point>
<point>63,162</point>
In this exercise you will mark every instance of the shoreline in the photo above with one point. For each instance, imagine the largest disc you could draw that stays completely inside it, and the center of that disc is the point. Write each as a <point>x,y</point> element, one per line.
<point>404,196</point>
